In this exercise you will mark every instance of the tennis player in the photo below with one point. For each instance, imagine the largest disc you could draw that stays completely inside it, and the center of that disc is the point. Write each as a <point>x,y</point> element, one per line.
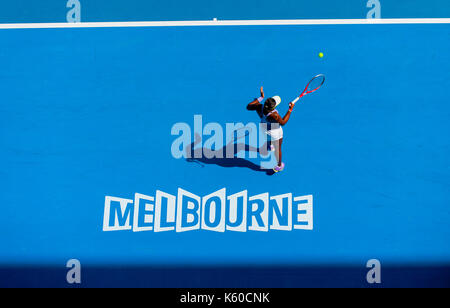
<point>270,116</point>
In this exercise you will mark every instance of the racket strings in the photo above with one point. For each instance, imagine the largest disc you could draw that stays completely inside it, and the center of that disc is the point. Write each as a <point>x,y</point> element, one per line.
<point>316,83</point>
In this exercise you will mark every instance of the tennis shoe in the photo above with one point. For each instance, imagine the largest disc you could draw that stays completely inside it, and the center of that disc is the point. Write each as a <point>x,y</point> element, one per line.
<point>279,168</point>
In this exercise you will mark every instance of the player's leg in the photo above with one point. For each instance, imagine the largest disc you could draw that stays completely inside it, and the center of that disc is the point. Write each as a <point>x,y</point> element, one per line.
<point>278,155</point>
<point>278,152</point>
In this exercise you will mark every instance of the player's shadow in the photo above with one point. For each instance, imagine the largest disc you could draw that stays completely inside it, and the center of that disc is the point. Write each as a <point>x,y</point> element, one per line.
<point>205,156</point>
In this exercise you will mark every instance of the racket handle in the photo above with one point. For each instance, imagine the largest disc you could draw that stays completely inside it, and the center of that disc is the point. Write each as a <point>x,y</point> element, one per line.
<point>295,100</point>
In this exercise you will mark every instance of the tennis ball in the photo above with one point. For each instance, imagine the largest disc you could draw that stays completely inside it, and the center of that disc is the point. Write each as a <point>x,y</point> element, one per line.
<point>321,55</point>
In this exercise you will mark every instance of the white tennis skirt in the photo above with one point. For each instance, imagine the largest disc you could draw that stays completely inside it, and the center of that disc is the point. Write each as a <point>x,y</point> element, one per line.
<point>275,134</point>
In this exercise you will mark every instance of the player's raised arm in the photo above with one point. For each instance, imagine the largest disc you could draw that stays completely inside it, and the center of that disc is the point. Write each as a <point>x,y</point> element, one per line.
<point>256,103</point>
<point>285,119</point>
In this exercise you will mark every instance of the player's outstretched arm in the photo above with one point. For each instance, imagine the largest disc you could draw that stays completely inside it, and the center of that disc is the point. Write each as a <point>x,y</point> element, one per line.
<point>256,103</point>
<point>285,119</point>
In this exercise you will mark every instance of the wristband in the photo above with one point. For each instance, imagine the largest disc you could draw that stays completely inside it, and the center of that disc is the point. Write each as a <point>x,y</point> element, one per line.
<point>260,99</point>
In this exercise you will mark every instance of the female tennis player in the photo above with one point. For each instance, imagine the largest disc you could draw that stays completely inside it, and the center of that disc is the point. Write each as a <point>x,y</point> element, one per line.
<point>270,116</point>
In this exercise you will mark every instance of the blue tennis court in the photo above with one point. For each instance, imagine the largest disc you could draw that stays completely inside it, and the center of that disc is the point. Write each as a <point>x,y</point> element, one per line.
<point>89,113</point>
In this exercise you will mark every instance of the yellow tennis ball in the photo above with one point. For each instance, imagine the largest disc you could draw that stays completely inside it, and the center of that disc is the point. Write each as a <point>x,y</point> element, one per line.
<point>321,55</point>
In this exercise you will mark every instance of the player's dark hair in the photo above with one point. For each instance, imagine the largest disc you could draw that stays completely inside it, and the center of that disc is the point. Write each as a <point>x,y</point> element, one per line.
<point>269,105</point>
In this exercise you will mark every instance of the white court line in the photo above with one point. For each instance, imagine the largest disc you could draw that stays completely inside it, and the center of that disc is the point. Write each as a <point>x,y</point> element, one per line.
<point>283,22</point>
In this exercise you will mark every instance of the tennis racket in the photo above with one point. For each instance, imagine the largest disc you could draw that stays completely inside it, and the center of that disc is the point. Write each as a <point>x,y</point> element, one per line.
<point>312,86</point>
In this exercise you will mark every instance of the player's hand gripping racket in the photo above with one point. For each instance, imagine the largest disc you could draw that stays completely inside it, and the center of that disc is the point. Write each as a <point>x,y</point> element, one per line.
<point>312,86</point>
